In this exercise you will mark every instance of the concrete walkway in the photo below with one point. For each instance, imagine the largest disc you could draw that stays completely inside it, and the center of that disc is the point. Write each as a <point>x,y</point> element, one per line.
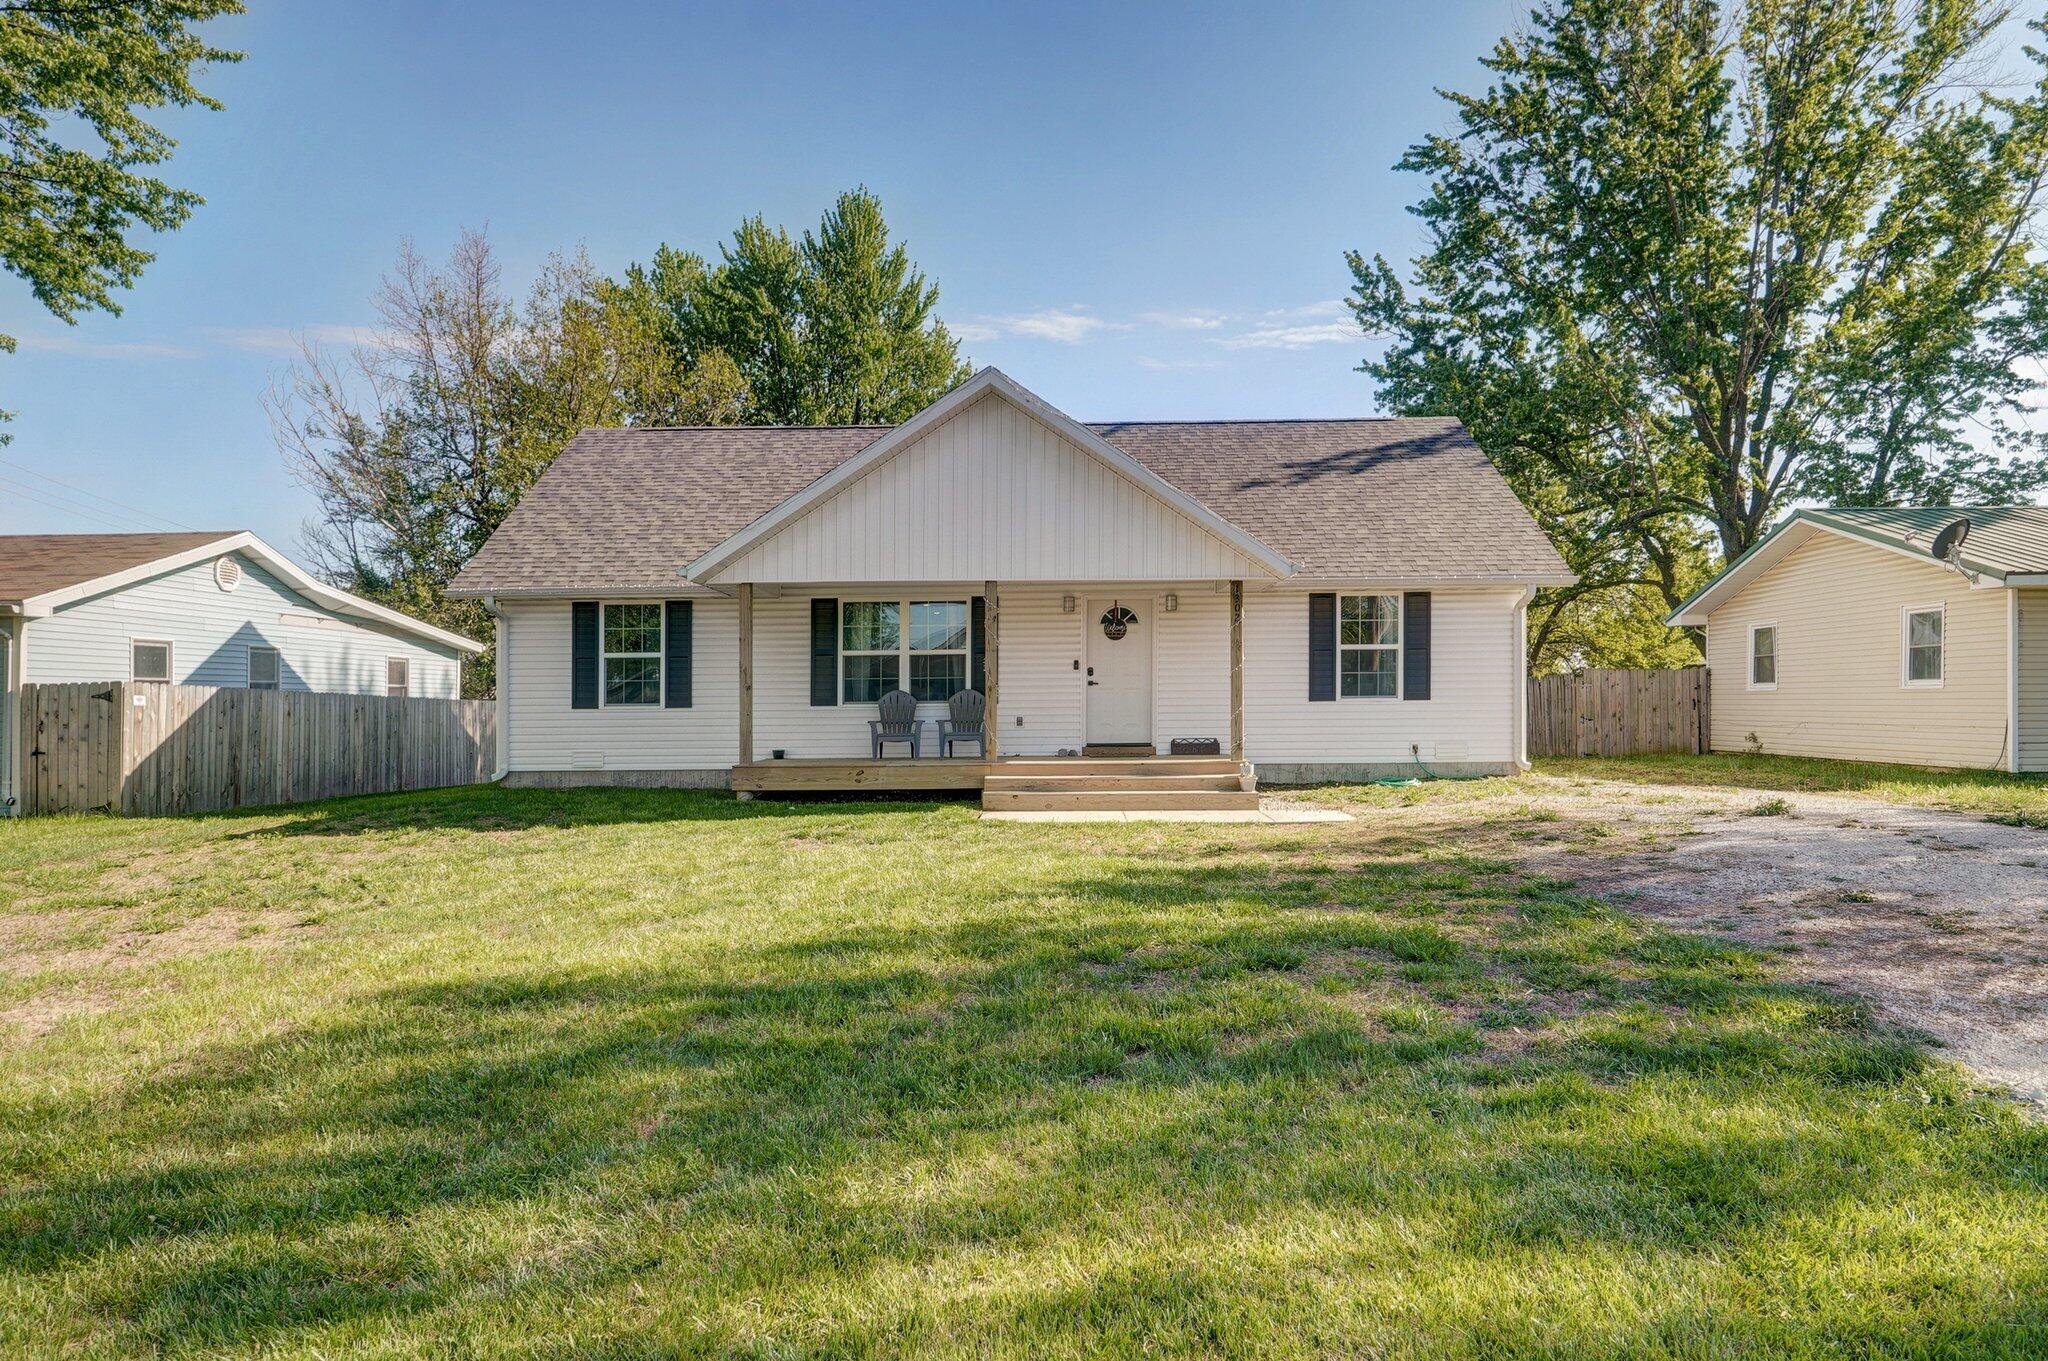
<point>1268,815</point>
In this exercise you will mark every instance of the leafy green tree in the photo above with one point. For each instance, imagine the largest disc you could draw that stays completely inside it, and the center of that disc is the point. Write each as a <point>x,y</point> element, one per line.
<point>1687,260</point>
<point>75,78</point>
<point>835,328</point>
<point>418,443</point>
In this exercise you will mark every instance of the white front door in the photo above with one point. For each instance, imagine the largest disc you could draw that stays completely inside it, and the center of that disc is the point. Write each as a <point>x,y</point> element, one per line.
<point>1119,670</point>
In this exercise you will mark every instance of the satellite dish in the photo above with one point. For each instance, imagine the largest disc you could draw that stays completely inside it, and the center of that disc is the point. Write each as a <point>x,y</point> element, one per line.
<point>1950,540</point>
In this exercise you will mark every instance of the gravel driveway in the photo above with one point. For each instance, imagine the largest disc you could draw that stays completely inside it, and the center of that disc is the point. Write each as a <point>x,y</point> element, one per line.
<point>1939,919</point>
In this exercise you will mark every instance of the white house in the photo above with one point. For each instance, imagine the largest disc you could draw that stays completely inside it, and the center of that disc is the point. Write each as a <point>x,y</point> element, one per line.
<point>221,609</point>
<point>1841,634</point>
<point>723,606</point>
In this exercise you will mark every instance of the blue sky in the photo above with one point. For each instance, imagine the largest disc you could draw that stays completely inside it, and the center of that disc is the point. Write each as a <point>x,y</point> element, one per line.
<point>1136,210</point>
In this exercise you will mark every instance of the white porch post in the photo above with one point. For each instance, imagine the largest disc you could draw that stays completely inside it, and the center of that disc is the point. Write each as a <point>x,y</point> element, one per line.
<point>991,626</point>
<point>746,673</point>
<point>1237,670</point>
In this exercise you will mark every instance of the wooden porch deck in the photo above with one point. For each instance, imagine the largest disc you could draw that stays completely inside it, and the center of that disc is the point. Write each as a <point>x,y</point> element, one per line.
<point>823,774</point>
<point>1034,783</point>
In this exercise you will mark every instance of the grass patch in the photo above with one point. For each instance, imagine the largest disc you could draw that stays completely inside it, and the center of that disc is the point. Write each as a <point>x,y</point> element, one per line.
<point>2019,800</point>
<point>642,1073</point>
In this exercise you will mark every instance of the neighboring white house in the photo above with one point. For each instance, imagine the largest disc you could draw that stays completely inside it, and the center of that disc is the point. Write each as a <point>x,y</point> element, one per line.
<point>221,609</point>
<point>1839,634</point>
<point>1323,598</point>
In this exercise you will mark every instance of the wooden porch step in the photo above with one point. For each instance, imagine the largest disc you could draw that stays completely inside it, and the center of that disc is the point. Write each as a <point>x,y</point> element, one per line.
<point>1056,783</point>
<point>1117,800</point>
<point>1089,765</point>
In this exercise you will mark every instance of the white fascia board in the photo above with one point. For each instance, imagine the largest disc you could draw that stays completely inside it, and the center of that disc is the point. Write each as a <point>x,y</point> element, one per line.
<point>280,565</point>
<point>986,381</point>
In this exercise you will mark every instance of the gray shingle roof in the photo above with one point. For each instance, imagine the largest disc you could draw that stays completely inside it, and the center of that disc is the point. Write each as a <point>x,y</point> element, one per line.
<point>1404,498</point>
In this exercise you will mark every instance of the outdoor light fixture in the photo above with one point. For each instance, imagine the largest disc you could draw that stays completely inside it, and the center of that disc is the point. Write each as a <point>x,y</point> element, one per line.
<point>1172,602</point>
<point>1066,604</point>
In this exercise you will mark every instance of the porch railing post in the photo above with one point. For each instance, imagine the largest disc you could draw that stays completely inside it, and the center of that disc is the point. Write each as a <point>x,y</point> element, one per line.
<point>991,625</point>
<point>746,672</point>
<point>1237,670</point>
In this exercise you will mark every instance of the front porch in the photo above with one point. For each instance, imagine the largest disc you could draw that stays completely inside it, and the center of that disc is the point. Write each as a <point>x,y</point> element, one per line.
<point>1024,783</point>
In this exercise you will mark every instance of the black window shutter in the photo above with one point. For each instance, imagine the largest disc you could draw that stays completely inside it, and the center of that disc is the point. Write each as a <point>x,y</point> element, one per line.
<point>977,646</point>
<point>824,651</point>
<point>1415,645</point>
<point>1322,646</point>
<point>677,654</point>
<point>583,654</point>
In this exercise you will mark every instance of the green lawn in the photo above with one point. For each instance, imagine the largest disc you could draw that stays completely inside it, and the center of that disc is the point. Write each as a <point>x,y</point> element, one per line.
<point>640,1074</point>
<point>2018,797</point>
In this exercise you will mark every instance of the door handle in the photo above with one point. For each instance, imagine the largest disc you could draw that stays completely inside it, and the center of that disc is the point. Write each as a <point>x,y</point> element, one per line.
<point>1094,682</point>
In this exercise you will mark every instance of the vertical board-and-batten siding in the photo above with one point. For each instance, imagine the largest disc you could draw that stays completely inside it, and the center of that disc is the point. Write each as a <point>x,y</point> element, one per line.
<point>2034,680</point>
<point>211,631</point>
<point>946,507</point>
<point>1839,609</point>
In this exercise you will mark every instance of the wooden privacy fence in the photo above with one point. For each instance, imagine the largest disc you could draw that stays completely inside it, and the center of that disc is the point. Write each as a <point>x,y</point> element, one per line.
<point>1619,713</point>
<point>147,749</point>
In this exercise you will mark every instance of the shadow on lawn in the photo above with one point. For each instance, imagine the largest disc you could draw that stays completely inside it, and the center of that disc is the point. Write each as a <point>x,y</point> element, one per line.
<point>490,808</point>
<point>821,1109</point>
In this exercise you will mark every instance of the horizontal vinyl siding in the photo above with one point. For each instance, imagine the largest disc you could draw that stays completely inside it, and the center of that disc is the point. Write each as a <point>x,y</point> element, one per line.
<point>991,493</point>
<point>1475,683</point>
<point>1474,671</point>
<point>211,631</point>
<point>2034,680</point>
<point>1838,608</point>
<point>542,732</point>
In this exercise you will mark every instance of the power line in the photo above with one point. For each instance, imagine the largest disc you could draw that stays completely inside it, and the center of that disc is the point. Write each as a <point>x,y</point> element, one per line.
<point>71,486</point>
<point>42,498</point>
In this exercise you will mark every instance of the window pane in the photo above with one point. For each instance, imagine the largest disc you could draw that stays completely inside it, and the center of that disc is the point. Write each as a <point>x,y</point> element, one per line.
<point>869,678</point>
<point>1765,670</point>
<point>632,680</point>
<point>151,662</point>
<point>262,668</point>
<point>871,626</point>
<point>397,676</point>
<point>1923,663</point>
<point>632,628</point>
<point>1369,619</point>
<point>937,624</point>
<point>937,676</point>
<point>1766,642</point>
<point>1369,671</point>
<point>1924,629</point>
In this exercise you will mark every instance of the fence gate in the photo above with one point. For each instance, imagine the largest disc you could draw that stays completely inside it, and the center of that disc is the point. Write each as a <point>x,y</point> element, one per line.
<point>1619,713</point>
<point>71,747</point>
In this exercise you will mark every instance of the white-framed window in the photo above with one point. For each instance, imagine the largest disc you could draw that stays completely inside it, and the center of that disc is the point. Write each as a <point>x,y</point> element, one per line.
<point>397,677</point>
<point>263,668</point>
<point>149,659</point>
<point>1369,646</point>
<point>632,640</point>
<point>1923,646</point>
<point>915,645</point>
<point>1763,656</point>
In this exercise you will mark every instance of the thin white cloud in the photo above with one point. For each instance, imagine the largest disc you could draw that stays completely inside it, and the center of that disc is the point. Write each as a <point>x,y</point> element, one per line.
<point>104,349</point>
<point>1297,328</point>
<point>1146,361</point>
<point>1187,321</point>
<point>286,340</point>
<point>1064,325</point>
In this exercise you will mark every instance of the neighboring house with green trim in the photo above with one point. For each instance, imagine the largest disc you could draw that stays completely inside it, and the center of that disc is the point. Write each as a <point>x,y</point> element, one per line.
<point>219,609</point>
<point>1326,598</point>
<point>1840,634</point>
